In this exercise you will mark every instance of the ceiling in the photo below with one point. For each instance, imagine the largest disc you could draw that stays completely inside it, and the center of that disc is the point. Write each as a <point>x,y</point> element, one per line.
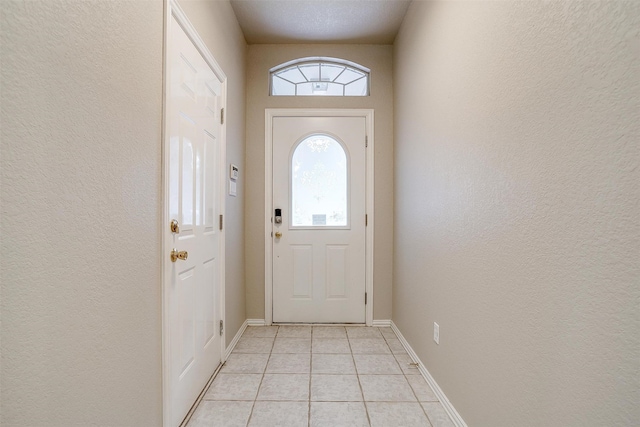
<point>320,21</point>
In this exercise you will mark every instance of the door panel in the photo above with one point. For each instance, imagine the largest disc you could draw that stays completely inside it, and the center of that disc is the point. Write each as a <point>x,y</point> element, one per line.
<point>194,197</point>
<point>319,180</point>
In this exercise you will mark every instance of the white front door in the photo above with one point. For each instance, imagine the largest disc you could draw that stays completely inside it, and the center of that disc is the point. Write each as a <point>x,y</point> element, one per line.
<point>194,167</point>
<point>319,190</point>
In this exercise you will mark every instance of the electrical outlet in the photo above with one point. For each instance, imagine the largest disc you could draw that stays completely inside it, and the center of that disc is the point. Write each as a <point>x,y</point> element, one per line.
<point>436,333</point>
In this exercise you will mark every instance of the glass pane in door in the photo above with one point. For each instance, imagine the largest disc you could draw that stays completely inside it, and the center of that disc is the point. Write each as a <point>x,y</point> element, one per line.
<point>319,183</point>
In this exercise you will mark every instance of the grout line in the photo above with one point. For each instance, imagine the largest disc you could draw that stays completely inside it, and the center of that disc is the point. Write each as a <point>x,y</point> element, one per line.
<point>407,380</point>
<point>310,373</point>
<point>366,409</point>
<point>261,379</point>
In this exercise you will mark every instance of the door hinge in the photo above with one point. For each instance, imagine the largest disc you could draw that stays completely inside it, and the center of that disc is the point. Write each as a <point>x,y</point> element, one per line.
<point>365,298</point>
<point>221,221</point>
<point>366,141</point>
<point>221,327</point>
<point>366,220</point>
<point>222,116</point>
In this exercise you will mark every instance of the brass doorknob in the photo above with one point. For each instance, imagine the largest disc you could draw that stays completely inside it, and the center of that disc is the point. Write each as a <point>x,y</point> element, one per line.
<point>278,234</point>
<point>175,255</point>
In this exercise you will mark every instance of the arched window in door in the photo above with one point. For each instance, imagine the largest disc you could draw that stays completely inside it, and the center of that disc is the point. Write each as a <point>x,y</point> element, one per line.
<point>319,183</point>
<point>319,76</point>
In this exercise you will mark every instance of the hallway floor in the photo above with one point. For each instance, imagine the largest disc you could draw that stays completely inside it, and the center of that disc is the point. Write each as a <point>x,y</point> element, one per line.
<point>319,376</point>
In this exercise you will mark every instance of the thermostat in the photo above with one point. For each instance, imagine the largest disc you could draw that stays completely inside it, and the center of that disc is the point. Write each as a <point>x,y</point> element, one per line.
<point>233,172</point>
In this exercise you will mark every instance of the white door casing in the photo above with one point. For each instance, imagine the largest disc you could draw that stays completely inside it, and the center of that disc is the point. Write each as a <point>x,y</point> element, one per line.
<point>318,273</point>
<point>194,180</point>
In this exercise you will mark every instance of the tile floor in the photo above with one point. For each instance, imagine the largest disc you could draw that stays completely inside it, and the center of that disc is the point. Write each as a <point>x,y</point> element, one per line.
<point>319,376</point>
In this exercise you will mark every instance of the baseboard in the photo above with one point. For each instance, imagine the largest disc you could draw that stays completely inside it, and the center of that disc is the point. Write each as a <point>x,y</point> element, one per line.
<point>451,411</point>
<point>255,322</point>
<point>382,323</point>
<point>235,340</point>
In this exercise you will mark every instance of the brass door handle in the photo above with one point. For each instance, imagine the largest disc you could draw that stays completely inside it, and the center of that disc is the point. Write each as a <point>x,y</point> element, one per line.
<point>175,255</point>
<point>278,234</point>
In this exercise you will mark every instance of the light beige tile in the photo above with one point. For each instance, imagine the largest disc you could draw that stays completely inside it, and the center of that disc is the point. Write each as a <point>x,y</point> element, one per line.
<point>395,345</point>
<point>260,332</point>
<point>279,414</point>
<point>284,387</point>
<point>385,414</point>
<point>290,331</point>
<point>437,415</point>
<point>338,414</point>
<point>292,345</point>
<point>331,345</point>
<point>387,332</point>
<point>254,345</point>
<point>335,388</point>
<point>369,346</point>
<point>289,364</point>
<point>241,363</point>
<point>363,332</point>
<point>234,387</point>
<point>421,388</point>
<point>376,364</point>
<point>329,332</point>
<point>405,364</point>
<point>221,414</point>
<point>332,364</point>
<point>386,388</point>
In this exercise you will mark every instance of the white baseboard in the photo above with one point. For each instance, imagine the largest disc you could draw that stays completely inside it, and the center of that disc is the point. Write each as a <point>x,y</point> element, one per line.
<point>235,340</point>
<point>255,322</point>
<point>381,323</point>
<point>451,411</point>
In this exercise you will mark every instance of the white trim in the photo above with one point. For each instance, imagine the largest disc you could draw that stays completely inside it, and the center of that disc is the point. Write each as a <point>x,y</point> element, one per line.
<point>235,340</point>
<point>448,407</point>
<point>255,322</point>
<point>381,323</point>
<point>173,9</point>
<point>269,114</point>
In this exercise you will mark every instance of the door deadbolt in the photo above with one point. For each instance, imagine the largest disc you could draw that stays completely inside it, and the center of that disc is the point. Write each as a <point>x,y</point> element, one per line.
<point>278,216</point>
<point>174,226</point>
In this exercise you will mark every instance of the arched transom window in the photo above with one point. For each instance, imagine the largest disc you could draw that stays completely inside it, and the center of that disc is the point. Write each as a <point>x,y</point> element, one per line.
<point>319,77</point>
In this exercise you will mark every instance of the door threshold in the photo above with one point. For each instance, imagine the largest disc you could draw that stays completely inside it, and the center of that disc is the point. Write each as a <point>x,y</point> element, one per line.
<point>316,324</point>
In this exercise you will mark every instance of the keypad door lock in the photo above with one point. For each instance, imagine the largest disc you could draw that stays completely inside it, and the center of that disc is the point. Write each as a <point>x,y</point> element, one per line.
<point>278,216</point>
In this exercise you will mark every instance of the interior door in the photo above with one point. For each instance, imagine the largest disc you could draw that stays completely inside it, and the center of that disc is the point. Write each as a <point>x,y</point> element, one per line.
<point>192,239</point>
<point>319,177</point>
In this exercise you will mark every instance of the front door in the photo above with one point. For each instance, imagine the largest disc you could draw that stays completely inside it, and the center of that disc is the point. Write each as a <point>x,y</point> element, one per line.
<point>319,201</point>
<point>193,276</point>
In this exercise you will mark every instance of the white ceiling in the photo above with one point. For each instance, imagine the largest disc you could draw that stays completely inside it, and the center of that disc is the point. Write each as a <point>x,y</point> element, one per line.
<point>320,21</point>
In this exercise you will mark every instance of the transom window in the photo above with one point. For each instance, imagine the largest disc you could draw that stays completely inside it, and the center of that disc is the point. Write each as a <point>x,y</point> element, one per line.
<point>319,183</point>
<point>319,77</point>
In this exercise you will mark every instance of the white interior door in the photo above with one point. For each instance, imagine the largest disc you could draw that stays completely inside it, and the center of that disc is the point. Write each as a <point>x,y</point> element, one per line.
<point>319,188</point>
<point>194,150</point>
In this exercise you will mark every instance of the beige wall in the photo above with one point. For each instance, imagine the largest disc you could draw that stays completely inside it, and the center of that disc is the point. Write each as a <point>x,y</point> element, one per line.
<point>516,217</point>
<point>260,59</point>
<point>81,108</point>
<point>80,249</point>
<point>218,27</point>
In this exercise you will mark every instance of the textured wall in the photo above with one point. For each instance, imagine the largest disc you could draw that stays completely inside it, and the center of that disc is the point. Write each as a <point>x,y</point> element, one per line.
<point>375,57</point>
<point>218,27</point>
<point>517,206</point>
<point>81,113</point>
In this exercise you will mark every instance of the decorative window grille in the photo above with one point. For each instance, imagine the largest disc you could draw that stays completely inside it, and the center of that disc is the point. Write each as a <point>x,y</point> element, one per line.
<point>317,76</point>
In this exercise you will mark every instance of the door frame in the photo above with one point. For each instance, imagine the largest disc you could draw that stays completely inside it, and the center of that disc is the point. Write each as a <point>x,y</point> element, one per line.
<point>173,9</point>
<point>270,114</point>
